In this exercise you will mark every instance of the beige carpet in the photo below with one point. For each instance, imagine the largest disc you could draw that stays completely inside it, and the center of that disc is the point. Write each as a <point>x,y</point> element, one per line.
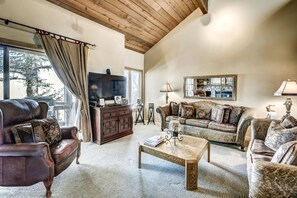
<point>110,170</point>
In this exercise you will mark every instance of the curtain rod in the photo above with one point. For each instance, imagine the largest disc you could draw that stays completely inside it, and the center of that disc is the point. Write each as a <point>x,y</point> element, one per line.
<point>6,22</point>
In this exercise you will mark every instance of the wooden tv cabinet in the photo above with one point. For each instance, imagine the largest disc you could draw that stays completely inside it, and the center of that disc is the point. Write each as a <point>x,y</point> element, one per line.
<point>111,122</point>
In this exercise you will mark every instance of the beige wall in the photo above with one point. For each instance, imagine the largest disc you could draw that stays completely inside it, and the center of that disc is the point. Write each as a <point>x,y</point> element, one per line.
<point>109,51</point>
<point>255,39</point>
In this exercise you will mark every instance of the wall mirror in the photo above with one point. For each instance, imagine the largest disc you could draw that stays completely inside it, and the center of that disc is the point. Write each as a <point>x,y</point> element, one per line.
<point>218,87</point>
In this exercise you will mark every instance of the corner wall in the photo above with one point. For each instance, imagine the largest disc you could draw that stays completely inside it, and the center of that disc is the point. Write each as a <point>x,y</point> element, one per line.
<point>251,38</point>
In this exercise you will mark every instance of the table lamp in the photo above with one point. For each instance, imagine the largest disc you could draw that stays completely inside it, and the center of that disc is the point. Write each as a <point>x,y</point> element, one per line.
<point>287,88</point>
<point>166,88</point>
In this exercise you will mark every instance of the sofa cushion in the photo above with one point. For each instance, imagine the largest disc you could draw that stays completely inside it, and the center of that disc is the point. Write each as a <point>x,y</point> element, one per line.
<point>187,111</point>
<point>174,108</point>
<point>181,120</point>
<point>23,133</point>
<point>286,154</point>
<point>203,113</point>
<point>198,122</point>
<point>63,149</point>
<point>260,157</point>
<point>278,135</point>
<point>46,130</point>
<point>258,147</point>
<point>222,127</point>
<point>289,122</point>
<point>235,115</point>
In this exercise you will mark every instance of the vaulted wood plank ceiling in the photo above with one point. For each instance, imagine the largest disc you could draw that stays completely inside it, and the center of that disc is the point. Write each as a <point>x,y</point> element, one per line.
<point>144,22</point>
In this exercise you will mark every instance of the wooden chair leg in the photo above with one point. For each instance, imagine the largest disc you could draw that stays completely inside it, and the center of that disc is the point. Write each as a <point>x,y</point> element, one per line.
<point>48,185</point>
<point>78,154</point>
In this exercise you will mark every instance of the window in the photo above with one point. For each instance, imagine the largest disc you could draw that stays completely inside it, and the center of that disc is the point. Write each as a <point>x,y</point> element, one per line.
<point>134,85</point>
<point>32,76</point>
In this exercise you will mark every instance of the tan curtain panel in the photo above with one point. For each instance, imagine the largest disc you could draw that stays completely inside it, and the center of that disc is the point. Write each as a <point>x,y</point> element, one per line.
<point>69,61</point>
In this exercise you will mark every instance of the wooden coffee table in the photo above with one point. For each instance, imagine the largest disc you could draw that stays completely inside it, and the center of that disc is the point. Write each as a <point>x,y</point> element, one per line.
<point>186,153</point>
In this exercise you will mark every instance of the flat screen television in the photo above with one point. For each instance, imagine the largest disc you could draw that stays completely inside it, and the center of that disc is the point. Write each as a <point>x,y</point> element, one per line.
<point>106,86</point>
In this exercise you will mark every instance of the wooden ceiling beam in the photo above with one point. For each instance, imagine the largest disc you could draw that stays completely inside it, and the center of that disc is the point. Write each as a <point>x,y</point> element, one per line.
<point>129,27</point>
<point>190,5</point>
<point>153,30</point>
<point>103,19</point>
<point>146,17</point>
<point>202,4</point>
<point>169,10</point>
<point>161,11</point>
<point>154,14</point>
<point>131,45</point>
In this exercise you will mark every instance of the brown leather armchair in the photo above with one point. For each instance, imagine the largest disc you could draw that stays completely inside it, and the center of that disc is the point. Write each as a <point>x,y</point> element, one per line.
<point>24,164</point>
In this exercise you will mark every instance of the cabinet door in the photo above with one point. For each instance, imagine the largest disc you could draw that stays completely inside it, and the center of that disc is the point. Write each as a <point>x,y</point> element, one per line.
<point>125,123</point>
<point>110,127</point>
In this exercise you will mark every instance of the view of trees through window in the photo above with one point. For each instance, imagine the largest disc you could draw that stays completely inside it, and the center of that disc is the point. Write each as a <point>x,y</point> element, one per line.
<point>32,76</point>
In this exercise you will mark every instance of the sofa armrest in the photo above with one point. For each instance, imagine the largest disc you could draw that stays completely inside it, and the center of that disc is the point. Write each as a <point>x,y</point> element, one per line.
<point>273,180</point>
<point>69,132</point>
<point>260,127</point>
<point>164,111</point>
<point>243,124</point>
<point>24,150</point>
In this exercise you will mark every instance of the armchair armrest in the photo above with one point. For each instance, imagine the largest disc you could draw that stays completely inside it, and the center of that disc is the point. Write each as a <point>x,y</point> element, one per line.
<point>260,128</point>
<point>24,150</point>
<point>273,180</point>
<point>69,132</point>
<point>164,111</point>
<point>243,124</point>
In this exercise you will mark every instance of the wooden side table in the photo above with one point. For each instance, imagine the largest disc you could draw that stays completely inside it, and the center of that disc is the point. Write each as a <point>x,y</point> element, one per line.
<point>151,114</point>
<point>139,117</point>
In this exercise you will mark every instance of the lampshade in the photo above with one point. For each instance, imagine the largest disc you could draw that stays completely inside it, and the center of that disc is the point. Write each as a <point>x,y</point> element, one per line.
<point>287,88</point>
<point>166,88</point>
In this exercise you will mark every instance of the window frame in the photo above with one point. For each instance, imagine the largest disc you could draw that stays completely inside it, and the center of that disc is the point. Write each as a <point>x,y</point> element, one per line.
<point>129,92</point>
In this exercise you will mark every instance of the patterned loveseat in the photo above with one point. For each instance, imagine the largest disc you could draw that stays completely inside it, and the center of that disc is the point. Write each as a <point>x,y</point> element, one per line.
<point>203,122</point>
<point>270,173</point>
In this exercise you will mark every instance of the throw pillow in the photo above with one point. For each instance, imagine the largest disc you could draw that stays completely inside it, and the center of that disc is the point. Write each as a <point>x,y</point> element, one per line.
<point>286,154</point>
<point>23,133</point>
<point>187,111</point>
<point>289,122</point>
<point>46,130</point>
<point>278,135</point>
<point>235,115</point>
<point>174,108</point>
<point>227,111</point>
<point>217,114</point>
<point>203,113</point>
<point>180,107</point>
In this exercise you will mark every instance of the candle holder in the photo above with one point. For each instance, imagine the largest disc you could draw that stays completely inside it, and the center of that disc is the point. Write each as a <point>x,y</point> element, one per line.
<point>174,132</point>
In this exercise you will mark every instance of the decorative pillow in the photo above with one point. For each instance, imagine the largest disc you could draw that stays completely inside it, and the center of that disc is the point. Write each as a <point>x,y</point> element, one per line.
<point>286,154</point>
<point>203,113</point>
<point>217,114</point>
<point>46,130</point>
<point>227,111</point>
<point>174,108</point>
<point>23,133</point>
<point>235,115</point>
<point>278,135</point>
<point>180,107</point>
<point>187,111</point>
<point>289,122</point>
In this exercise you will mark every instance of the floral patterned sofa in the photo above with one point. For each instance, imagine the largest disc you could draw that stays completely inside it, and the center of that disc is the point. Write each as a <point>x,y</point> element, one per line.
<point>272,166</point>
<point>209,120</point>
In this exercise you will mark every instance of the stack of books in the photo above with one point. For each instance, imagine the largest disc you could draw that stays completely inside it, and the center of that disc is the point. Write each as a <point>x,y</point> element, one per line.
<point>154,141</point>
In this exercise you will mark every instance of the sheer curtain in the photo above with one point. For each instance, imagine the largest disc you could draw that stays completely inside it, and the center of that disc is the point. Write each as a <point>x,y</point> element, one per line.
<point>69,61</point>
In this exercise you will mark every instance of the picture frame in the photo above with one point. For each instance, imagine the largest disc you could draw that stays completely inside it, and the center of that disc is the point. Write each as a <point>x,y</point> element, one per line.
<point>118,99</point>
<point>124,101</point>
<point>101,102</point>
